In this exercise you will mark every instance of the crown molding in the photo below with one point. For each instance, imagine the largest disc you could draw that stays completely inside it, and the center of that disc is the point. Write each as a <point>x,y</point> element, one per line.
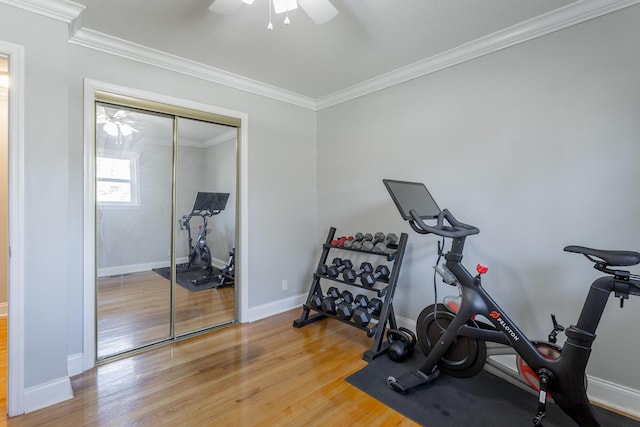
<point>567,16</point>
<point>572,14</point>
<point>103,42</point>
<point>62,10</point>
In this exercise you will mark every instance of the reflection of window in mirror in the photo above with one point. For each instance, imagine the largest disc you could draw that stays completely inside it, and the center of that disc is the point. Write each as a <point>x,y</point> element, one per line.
<point>116,179</point>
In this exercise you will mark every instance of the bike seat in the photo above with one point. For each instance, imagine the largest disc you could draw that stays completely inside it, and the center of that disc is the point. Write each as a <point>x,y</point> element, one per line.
<point>611,258</point>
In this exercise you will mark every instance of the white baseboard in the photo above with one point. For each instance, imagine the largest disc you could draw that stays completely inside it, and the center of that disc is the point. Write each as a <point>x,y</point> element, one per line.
<point>4,309</point>
<point>614,396</point>
<point>47,394</point>
<point>276,307</point>
<point>75,364</point>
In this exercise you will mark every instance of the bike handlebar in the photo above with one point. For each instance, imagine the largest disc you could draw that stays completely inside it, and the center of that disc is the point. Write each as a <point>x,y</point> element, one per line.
<point>455,229</point>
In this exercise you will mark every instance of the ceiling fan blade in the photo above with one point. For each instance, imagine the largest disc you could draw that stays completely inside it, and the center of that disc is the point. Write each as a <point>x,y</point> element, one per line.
<point>320,11</point>
<point>281,6</point>
<point>225,7</point>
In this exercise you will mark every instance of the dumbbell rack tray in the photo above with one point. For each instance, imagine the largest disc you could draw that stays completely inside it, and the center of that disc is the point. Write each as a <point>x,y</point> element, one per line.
<point>386,292</point>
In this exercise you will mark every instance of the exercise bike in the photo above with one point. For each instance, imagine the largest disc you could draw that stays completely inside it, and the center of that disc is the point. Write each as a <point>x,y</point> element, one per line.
<point>454,339</point>
<point>206,205</point>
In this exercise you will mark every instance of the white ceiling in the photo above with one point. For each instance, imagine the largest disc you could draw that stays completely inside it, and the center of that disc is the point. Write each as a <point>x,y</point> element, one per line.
<point>367,39</point>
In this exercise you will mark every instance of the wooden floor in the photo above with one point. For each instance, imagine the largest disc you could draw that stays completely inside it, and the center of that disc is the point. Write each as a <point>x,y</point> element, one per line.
<point>265,373</point>
<point>134,310</point>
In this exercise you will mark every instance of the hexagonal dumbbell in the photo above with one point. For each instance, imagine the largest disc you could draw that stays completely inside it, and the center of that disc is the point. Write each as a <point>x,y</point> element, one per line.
<point>350,275</point>
<point>357,238</point>
<point>380,242</point>
<point>362,315</point>
<point>370,279</point>
<point>365,238</point>
<point>333,270</point>
<point>345,310</point>
<point>334,298</point>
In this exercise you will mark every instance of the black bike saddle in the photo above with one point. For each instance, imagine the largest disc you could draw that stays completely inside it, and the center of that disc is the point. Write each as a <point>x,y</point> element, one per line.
<point>611,258</point>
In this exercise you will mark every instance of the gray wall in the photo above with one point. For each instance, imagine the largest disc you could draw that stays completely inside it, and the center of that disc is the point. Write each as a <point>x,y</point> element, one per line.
<point>537,145</point>
<point>46,191</point>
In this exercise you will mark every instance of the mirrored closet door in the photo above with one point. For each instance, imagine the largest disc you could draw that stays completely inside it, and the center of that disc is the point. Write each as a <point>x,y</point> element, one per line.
<point>165,199</point>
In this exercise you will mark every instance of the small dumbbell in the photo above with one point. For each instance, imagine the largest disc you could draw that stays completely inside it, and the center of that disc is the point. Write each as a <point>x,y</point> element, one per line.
<point>369,245</point>
<point>369,279</point>
<point>334,297</point>
<point>380,243</point>
<point>350,275</point>
<point>365,238</point>
<point>357,238</point>
<point>345,310</point>
<point>362,316</point>
<point>340,241</point>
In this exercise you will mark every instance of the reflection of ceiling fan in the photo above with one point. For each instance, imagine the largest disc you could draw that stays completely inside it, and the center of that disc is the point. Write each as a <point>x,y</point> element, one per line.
<point>320,11</point>
<point>115,122</point>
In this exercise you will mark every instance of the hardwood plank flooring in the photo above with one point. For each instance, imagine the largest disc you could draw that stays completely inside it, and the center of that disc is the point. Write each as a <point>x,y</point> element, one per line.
<point>265,373</point>
<point>134,310</point>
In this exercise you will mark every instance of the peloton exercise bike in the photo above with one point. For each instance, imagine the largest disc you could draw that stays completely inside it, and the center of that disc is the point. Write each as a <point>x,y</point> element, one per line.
<point>455,340</point>
<point>205,206</point>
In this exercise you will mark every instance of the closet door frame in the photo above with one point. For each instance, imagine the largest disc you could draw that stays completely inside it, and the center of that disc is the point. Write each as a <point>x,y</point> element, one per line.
<point>105,92</point>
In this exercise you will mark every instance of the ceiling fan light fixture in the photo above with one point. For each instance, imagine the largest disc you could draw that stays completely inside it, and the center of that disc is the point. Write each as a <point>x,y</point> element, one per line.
<point>282,6</point>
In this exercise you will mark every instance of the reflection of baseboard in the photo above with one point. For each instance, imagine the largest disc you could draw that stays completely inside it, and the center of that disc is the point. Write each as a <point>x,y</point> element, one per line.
<point>4,309</point>
<point>131,268</point>
<point>136,268</point>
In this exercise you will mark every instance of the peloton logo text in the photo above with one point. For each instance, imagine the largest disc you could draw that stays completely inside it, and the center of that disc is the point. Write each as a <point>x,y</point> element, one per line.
<point>495,315</point>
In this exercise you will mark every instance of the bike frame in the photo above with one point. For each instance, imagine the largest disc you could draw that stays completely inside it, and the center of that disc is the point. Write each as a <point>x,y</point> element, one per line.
<point>566,381</point>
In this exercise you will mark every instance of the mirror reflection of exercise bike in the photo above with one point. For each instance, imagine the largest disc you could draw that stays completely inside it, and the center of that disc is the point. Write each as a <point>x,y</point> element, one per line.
<point>205,206</point>
<point>455,339</point>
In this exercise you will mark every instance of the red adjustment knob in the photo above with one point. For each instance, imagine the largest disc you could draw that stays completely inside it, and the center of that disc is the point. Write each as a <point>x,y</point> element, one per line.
<point>481,269</point>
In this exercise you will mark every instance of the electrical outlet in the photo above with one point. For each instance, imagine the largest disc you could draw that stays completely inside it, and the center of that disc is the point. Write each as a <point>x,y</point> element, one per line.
<point>285,286</point>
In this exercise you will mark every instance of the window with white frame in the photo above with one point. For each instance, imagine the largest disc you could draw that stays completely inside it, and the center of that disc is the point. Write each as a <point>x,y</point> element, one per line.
<point>116,179</point>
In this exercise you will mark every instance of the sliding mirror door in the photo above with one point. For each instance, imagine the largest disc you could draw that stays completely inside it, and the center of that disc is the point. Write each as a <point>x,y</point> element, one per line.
<point>165,203</point>
<point>134,180</point>
<point>205,242</point>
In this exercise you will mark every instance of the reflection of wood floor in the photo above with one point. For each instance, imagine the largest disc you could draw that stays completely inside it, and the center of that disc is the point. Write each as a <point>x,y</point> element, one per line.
<point>134,310</point>
<point>265,373</point>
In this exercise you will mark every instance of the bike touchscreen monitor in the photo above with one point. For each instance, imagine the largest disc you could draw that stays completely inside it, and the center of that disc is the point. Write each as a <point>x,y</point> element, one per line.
<point>210,201</point>
<point>412,195</point>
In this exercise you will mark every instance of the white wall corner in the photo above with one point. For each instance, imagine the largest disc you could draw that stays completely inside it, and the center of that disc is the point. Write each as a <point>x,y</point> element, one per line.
<point>75,364</point>
<point>47,394</point>
<point>275,307</point>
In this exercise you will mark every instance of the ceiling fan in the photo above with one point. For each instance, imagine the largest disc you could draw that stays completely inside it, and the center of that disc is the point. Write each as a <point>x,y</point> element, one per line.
<point>320,11</point>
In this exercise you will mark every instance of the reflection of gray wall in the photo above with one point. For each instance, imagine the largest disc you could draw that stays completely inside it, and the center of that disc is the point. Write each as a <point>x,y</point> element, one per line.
<point>190,167</point>
<point>138,237</point>
<point>220,176</point>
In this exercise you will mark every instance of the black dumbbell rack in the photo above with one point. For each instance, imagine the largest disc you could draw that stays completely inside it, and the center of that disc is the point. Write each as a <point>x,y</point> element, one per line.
<point>384,289</point>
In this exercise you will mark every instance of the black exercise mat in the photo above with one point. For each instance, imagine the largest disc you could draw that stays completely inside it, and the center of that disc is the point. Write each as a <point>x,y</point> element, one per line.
<point>184,277</point>
<point>483,400</point>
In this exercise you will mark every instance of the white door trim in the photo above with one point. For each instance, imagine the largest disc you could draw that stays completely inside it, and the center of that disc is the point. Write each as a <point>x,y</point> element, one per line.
<point>15,363</point>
